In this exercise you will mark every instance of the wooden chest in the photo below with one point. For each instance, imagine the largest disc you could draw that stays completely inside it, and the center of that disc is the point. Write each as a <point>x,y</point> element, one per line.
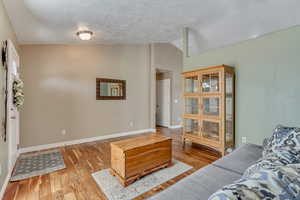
<point>136,157</point>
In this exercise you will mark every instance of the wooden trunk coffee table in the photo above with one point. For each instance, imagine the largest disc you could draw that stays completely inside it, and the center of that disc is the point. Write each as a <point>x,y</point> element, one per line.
<point>136,157</point>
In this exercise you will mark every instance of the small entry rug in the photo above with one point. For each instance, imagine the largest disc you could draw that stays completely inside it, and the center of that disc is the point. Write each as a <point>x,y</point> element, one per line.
<point>115,191</point>
<point>35,164</point>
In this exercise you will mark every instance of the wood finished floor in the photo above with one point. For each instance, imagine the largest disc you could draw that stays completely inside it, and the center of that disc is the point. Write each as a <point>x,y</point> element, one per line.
<point>76,183</point>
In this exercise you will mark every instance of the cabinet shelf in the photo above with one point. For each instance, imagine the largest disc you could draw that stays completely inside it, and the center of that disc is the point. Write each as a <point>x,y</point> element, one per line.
<point>209,107</point>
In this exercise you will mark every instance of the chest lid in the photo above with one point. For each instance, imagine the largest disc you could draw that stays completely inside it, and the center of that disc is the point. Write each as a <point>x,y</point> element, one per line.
<point>141,141</point>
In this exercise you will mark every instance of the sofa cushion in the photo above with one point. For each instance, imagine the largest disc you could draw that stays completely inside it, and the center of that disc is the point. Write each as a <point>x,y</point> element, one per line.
<point>199,185</point>
<point>240,159</point>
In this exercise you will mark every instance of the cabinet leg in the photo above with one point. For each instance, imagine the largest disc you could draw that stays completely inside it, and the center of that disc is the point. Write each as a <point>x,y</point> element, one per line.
<point>223,153</point>
<point>183,143</point>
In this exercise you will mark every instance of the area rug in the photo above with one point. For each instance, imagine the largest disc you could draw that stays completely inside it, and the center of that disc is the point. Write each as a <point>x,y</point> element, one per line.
<point>35,164</point>
<point>114,191</point>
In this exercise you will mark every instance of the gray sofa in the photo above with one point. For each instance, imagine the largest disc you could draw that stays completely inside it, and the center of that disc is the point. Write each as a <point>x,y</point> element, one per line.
<point>204,182</point>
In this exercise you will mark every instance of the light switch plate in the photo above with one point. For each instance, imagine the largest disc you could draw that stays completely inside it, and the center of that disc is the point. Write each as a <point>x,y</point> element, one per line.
<point>244,140</point>
<point>63,132</point>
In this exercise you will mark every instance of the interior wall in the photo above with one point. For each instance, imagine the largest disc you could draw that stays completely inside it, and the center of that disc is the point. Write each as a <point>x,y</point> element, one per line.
<point>165,56</point>
<point>60,91</point>
<point>267,85</point>
<point>6,32</point>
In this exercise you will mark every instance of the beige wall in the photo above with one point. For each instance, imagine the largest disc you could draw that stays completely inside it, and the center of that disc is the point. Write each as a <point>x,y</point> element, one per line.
<point>6,32</point>
<point>167,57</point>
<point>60,91</point>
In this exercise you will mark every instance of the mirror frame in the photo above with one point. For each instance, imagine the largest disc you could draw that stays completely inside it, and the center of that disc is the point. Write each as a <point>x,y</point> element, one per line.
<point>105,80</point>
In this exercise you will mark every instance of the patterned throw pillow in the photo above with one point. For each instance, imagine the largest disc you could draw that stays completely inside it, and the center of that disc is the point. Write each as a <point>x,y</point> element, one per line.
<point>288,146</point>
<point>279,134</point>
<point>270,162</point>
<point>281,183</point>
<point>284,149</point>
<point>265,143</point>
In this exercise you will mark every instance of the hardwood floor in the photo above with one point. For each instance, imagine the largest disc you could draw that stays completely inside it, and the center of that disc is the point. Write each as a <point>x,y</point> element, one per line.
<point>76,183</point>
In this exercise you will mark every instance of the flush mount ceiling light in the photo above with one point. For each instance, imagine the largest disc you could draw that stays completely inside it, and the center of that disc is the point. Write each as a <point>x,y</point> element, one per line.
<point>85,35</point>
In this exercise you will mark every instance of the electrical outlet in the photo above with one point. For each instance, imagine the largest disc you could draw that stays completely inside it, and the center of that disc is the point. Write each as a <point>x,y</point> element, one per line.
<point>63,132</point>
<point>244,140</point>
<point>131,124</point>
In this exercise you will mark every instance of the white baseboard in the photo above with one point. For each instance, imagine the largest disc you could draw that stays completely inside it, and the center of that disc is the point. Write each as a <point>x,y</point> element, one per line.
<point>175,126</point>
<point>92,139</point>
<point>10,170</point>
<point>4,185</point>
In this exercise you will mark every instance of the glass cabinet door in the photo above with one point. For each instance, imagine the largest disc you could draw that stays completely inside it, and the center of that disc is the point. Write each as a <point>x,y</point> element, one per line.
<point>210,130</point>
<point>191,126</point>
<point>191,84</point>
<point>192,105</point>
<point>210,82</point>
<point>211,106</point>
<point>229,108</point>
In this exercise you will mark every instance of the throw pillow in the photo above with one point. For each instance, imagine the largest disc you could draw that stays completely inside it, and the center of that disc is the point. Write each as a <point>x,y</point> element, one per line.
<point>284,150</point>
<point>279,134</point>
<point>280,183</point>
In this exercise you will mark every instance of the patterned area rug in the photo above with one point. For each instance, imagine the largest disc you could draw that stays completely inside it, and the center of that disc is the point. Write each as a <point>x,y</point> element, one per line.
<point>35,164</point>
<point>114,191</point>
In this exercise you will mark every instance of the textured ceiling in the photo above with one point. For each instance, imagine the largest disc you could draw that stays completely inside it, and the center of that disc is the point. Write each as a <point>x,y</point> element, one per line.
<point>242,20</point>
<point>213,22</point>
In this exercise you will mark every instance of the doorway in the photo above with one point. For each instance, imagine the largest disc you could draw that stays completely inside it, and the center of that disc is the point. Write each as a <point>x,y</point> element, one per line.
<point>163,98</point>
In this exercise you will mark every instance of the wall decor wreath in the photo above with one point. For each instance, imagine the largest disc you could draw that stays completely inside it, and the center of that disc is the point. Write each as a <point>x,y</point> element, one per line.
<point>3,90</point>
<point>18,93</point>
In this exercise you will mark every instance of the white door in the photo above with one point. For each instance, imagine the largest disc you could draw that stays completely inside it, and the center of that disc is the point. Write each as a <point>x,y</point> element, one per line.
<point>12,112</point>
<point>163,99</point>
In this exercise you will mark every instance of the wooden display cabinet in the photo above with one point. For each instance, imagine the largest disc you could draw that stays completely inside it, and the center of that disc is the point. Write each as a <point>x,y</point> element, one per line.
<point>209,98</point>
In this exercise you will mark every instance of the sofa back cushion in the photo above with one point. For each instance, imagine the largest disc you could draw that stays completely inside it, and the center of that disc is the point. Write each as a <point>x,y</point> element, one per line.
<point>240,159</point>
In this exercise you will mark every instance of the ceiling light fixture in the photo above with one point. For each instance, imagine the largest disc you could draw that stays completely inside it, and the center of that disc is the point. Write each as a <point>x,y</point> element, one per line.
<point>85,35</point>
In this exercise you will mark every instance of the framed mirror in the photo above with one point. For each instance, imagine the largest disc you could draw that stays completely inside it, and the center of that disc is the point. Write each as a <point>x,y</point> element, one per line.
<point>110,89</point>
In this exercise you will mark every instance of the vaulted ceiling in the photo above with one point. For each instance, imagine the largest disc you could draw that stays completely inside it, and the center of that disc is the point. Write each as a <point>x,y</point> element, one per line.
<point>213,23</point>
